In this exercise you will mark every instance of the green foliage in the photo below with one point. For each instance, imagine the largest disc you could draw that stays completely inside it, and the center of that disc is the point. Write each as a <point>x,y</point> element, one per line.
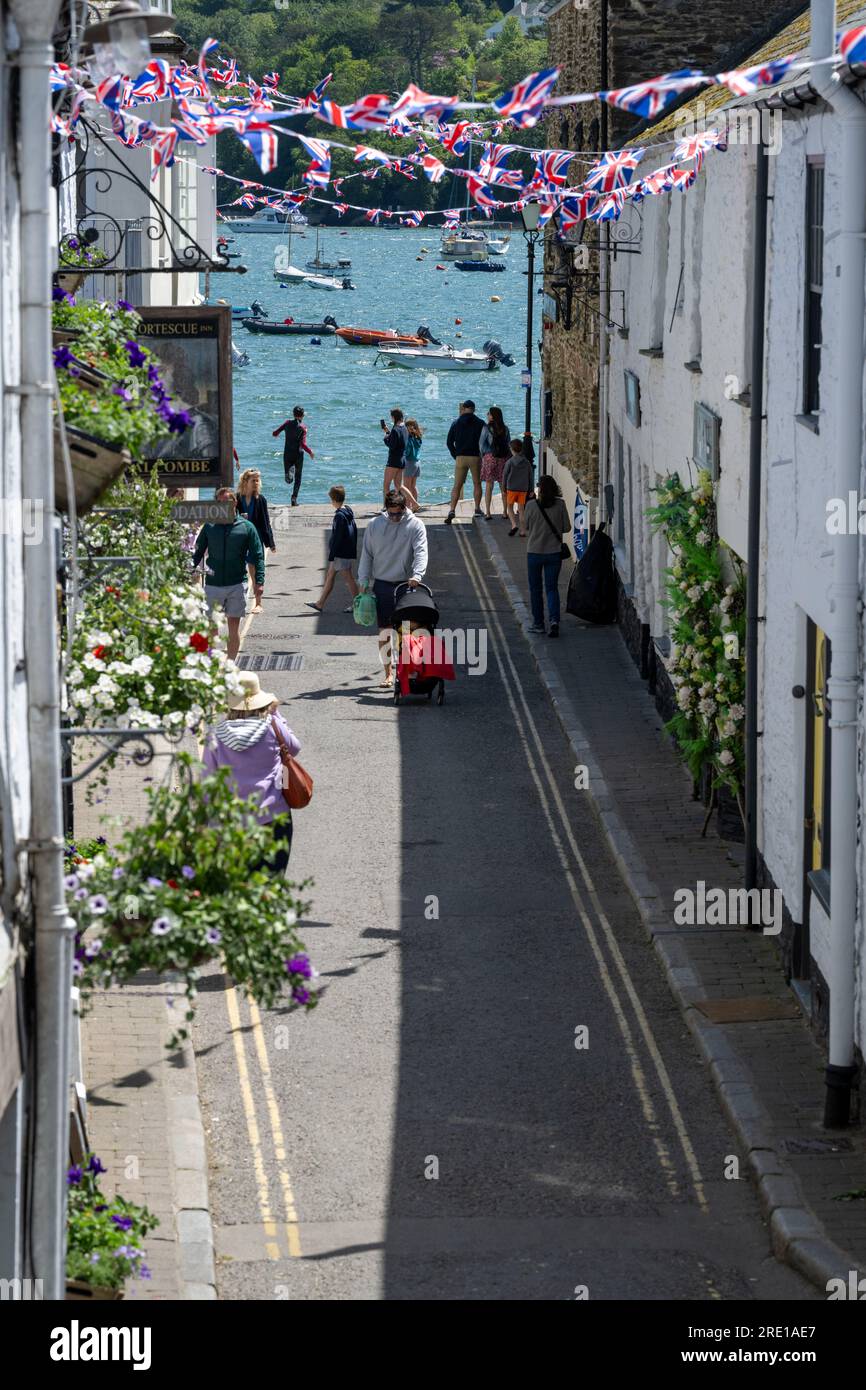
<point>707,664</point>
<point>103,1235</point>
<point>188,886</point>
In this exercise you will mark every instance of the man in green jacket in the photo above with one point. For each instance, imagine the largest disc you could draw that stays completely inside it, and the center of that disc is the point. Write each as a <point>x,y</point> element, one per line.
<point>230,547</point>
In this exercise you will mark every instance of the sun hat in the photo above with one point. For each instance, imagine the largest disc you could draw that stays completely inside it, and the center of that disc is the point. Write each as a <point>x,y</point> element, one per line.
<point>254,697</point>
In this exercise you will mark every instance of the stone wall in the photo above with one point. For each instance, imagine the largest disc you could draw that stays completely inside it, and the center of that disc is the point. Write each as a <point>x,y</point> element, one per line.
<point>644,39</point>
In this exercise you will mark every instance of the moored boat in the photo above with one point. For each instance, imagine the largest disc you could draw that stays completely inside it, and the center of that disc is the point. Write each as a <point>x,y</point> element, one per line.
<point>327,327</point>
<point>445,358</point>
<point>490,266</point>
<point>372,337</point>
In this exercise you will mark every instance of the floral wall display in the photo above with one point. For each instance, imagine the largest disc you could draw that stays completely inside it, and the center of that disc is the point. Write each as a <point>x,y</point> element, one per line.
<point>707,660</point>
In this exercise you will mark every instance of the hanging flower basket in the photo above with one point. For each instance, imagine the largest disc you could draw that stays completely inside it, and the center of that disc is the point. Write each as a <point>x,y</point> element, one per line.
<point>77,1290</point>
<point>191,884</point>
<point>70,281</point>
<point>95,465</point>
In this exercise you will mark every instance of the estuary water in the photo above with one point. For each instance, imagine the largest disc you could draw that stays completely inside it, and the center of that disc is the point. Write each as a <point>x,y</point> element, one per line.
<point>342,389</point>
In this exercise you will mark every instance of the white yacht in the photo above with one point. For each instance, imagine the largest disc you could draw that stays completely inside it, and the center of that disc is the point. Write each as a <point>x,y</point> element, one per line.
<point>267,220</point>
<point>464,246</point>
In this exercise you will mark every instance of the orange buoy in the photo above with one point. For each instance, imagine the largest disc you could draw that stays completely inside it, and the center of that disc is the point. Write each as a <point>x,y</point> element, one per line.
<point>458,320</point>
<point>440,267</point>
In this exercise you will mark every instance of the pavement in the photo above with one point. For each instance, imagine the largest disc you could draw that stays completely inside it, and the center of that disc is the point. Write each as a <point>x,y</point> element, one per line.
<point>504,1093</point>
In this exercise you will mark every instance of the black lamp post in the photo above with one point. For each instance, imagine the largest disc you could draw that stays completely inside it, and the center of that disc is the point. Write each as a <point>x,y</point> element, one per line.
<point>530,214</point>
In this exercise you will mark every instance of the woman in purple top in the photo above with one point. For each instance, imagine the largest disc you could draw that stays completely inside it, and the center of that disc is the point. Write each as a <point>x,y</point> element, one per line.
<point>247,743</point>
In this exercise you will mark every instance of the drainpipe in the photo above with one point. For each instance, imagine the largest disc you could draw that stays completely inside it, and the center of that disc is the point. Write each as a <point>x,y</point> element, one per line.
<point>603,277</point>
<point>846,419</point>
<point>52,954</point>
<point>753,549</point>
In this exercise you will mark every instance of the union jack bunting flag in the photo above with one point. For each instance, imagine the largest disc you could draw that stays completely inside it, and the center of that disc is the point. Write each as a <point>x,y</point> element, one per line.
<point>454,137</point>
<point>130,137</point>
<point>852,45</point>
<point>694,146</point>
<point>111,92</point>
<point>185,83</point>
<point>262,145</point>
<point>421,145</point>
<point>363,152</point>
<point>61,76</point>
<point>314,97</point>
<point>246,200</point>
<point>494,156</point>
<point>319,171</point>
<point>227,76</point>
<point>608,209</point>
<point>373,214</point>
<point>650,99</point>
<point>152,84</point>
<point>658,182</point>
<point>163,151</point>
<point>481,196</point>
<point>746,80</point>
<point>404,167</point>
<point>524,103</point>
<point>546,209</point>
<point>433,167</point>
<point>341,209</point>
<point>413,218</point>
<point>271,80</point>
<point>209,46</point>
<point>414,102</point>
<point>249,183</point>
<point>683,178</point>
<point>362,115</point>
<point>372,173</point>
<point>399,127</point>
<point>613,170</point>
<point>574,210</point>
<point>552,166</point>
<point>60,126</point>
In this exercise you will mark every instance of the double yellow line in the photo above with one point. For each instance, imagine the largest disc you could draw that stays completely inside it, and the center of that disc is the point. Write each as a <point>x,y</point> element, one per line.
<point>289,1219</point>
<point>568,853</point>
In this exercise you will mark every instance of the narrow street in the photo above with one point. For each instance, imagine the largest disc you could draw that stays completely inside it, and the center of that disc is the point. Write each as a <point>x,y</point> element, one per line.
<point>442,1127</point>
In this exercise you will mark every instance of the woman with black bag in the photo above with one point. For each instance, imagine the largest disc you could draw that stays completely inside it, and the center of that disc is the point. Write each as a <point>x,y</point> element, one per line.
<point>253,507</point>
<point>546,519</point>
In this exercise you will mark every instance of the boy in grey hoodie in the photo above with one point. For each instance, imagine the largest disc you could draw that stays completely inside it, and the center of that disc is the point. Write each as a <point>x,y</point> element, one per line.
<point>394,552</point>
<point>517,484</point>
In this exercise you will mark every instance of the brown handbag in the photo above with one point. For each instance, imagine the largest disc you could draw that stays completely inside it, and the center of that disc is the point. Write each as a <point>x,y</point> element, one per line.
<point>297,782</point>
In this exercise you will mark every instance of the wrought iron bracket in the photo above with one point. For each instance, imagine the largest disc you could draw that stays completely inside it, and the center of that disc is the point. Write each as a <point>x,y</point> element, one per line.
<point>112,740</point>
<point>158,224</point>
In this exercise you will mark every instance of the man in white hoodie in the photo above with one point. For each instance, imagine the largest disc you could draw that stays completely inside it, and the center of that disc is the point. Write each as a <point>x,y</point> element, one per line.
<point>394,552</point>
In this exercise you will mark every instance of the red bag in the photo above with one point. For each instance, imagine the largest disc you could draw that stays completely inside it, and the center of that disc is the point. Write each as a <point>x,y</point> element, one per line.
<point>297,782</point>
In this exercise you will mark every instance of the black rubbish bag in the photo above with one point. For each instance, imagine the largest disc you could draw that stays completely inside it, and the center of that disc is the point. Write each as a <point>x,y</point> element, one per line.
<point>592,587</point>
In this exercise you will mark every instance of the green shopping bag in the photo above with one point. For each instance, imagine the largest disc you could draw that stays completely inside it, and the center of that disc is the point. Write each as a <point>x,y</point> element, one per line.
<point>364,609</point>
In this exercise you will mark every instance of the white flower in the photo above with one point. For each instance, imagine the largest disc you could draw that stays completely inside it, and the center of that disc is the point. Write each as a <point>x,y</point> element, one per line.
<point>142,665</point>
<point>93,663</point>
<point>702,538</point>
<point>75,677</point>
<point>707,707</point>
<point>148,689</point>
<point>694,593</point>
<point>291,917</point>
<point>84,698</point>
<point>729,728</point>
<point>187,673</point>
<point>106,685</point>
<point>181,639</point>
<point>737,712</point>
<point>84,870</point>
<point>191,609</point>
<point>726,757</point>
<point>684,697</point>
<point>99,639</point>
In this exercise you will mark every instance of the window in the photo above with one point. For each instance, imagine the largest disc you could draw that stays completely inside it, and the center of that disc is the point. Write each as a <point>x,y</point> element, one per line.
<point>814,288</point>
<point>632,397</point>
<point>707,430</point>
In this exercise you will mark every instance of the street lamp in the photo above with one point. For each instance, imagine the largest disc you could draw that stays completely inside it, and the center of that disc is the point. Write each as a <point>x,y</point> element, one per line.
<point>530,214</point>
<point>120,43</point>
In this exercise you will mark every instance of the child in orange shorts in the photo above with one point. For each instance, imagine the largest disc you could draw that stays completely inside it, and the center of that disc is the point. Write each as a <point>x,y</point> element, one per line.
<point>516,483</point>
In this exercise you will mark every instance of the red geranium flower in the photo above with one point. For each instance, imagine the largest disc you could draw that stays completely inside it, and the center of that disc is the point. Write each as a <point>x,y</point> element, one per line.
<point>172,882</point>
<point>199,641</point>
<point>99,652</point>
